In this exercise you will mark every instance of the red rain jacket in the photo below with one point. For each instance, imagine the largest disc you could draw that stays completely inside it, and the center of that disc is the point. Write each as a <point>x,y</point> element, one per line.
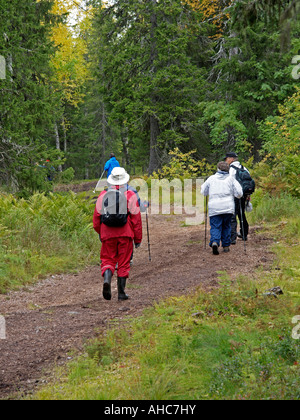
<point>133,228</point>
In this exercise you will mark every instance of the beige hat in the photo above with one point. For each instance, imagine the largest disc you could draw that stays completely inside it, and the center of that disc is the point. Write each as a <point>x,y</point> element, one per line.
<point>119,176</point>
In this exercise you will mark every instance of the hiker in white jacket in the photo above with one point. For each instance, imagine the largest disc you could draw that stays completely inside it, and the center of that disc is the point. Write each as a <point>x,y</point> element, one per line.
<point>221,189</point>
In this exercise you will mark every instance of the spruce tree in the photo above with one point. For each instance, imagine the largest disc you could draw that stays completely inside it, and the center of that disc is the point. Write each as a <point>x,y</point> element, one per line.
<point>147,75</point>
<point>27,103</point>
<point>250,76</point>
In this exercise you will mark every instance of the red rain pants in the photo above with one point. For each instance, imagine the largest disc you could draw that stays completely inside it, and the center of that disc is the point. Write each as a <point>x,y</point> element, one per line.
<point>117,251</point>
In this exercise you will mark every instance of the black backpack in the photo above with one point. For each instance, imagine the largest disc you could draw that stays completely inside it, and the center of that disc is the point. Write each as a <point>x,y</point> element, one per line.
<point>245,179</point>
<point>114,211</point>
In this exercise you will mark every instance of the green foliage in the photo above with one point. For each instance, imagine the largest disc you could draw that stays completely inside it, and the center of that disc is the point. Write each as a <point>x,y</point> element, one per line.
<point>230,343</point>
<point>281,133</point>
<point>28,103</point>
<point>227,131</point>
<point>65,177</point>
<point>251,73</point>
<point>148,78</point>
<point>279,176</point>
<point>156,75</point>
<point>44,235</point>
<point>184,166</point>
<point>37,174</point>
<point>268,208</point>
<point>165,80</point>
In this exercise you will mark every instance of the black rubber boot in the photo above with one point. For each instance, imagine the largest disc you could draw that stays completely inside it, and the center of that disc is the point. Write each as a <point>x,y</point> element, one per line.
<point>121,288</point>
<point>107,285</point>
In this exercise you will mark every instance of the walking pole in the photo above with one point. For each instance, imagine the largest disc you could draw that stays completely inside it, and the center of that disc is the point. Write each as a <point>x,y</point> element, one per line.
<point>206,211</point>
<point>148,233</point>
<point>242,225</point>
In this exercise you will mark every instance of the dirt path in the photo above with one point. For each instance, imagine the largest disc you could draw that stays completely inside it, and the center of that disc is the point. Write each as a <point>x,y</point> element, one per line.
<point>45,322</point>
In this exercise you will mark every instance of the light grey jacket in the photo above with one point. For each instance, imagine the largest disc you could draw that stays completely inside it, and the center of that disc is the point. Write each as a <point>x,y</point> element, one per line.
<point>221,188</point>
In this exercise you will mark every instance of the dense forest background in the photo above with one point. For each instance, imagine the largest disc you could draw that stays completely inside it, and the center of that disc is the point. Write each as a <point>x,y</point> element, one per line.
<point>143,78</point>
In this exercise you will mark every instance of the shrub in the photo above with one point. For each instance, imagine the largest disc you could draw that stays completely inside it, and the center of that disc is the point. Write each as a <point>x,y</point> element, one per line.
<point>65,177</point>
<point>184,166</point>
<point>279,176</point>
<point>44,235</point>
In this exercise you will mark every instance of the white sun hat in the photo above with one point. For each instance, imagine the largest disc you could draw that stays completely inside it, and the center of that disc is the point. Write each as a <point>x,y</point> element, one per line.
<point>119,176</point>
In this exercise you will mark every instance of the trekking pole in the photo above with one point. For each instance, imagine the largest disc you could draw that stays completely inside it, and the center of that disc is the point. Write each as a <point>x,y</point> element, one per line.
<point>148,233</point>
<point>206,211</point>
<point>242,225</point>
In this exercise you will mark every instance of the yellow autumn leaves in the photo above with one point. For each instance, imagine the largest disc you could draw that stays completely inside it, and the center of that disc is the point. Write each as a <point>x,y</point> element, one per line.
<point>217,12</point>
<point>71,69</point>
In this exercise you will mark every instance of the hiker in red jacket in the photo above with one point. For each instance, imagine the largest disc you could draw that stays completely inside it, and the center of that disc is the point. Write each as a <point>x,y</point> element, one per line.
<point>118,221</point>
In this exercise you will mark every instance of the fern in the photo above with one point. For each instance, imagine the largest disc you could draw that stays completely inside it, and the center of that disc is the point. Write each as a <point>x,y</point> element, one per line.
<point>43,235</point>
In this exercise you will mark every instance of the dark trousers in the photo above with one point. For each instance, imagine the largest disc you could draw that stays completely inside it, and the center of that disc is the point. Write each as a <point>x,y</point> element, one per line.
<point>240,212</point>
<point>220,229</point>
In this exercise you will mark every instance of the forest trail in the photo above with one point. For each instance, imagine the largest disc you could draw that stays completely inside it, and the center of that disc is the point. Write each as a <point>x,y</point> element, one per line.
<point>47,321</point>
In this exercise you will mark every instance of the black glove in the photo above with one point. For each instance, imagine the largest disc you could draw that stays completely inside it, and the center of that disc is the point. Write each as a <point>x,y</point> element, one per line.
<point>137,246</point>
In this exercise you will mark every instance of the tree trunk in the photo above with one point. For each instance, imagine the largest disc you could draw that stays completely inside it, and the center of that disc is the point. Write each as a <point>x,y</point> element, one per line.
<point>57,140</point>
<point>125,142</point>
<point>8,62</point>
<point>103,135</point>
<point>154,133</point>
<point>154,123</point>
<point>65,135</point>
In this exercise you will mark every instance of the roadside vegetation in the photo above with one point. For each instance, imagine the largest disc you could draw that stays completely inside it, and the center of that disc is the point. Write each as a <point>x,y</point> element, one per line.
<point>44,235</point>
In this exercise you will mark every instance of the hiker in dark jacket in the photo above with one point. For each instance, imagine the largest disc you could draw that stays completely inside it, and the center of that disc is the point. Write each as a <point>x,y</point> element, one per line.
<point>240,205</point>
<point>111,164</point>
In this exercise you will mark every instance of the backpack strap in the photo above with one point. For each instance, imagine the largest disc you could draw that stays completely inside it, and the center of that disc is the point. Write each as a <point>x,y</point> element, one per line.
<point>242,168</point>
